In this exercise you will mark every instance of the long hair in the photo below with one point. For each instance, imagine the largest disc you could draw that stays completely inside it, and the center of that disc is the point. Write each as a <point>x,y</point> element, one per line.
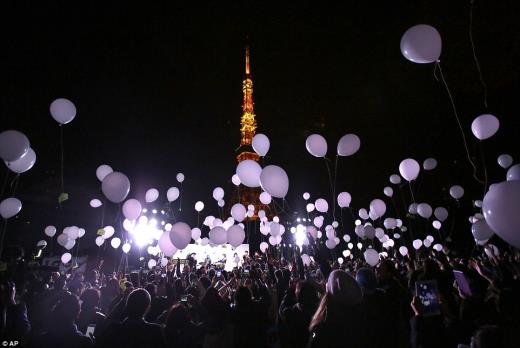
<point>320,315</point>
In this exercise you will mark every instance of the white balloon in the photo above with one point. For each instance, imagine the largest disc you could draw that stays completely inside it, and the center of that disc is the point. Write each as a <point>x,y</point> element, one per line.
<point>63,110</point>
<point>235,235</point>
<point>126,248</point>
<point>403,250</point>
<point>437,225</point>
<point>390,223</point>
<point>13,145</point>
<point>151,195</point>
<point>152,263</point>
<point>199,206</point>
<point>437,247</point>
<point>481,230</point>
<point>132,209</point>
<point>309,207</point>
<point>195,233</point>
<point>41,244</point>
<point>235,180</point>
<point>50,231</point>
<point>238,212</point>
<point>180,235</point>
<point>274,229</point>
<point>424,210</point>
<point>371,257</point>
<point>321,205</point>
<point>378,208</point>
<point>344,199</point>
<point>409,169</point>
<point>330,243</point>
<point>417,244</point>
<point>348,145</point>
<point>316,145</point>
<point>263,247</point>
<point>380,233</point>
<point>513,173</point>
<point>274,180</point>
<point>505,160</point>
<point>421,44</point>
<point>248,172</point>
<point>99,241</point>
<point>9,207</point>
<point>115,187</point>
<point>109,232</point>
<point>430,164</point>
<point>306,195</point>
<point>204,241</point>
<point>441,213</point>
<point>115,242</point>
<point>306,259</point>
<point>360,231</point>
<point>172,194</point>
<point>412,209</point>
<point>395,179</point>
<point>70,244</point>
<point>265,198</point>
<point>260,144</point>
<point>369,231</point>
<point>166,245</point>
<point>218,235</point>
<point>388,191</point>
<point>95,203</point>
<point>65,258</point>
<point>24,163</point>
<point>102,171</point>
<point>363,214</point>
<point>485,126</point>
<point>180,177</point>
<point>456,191</point>
<point>218,193</point>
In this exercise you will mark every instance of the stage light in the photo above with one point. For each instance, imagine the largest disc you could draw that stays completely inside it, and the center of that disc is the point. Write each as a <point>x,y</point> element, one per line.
<point>300,235</point>
<point>142,235</point>
<point>154,211</point>
<point>145,210</point>
<point>153,222</point>
<point>298,220</point>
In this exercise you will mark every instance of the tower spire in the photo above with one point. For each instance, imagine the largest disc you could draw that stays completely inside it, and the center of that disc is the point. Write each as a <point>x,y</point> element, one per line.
<point>247,60</point>
<point>247,121</point>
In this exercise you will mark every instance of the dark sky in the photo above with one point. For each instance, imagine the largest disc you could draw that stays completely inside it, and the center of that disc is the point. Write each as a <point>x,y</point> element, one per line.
<point>157,86</point>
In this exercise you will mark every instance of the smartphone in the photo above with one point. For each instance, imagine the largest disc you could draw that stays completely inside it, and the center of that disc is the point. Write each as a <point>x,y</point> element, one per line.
<point>245,273</point>
<point>90,330</point>
<point>462,283</point>
<point>427,292</point>
<point>219,274</point>
<point>184,298</point>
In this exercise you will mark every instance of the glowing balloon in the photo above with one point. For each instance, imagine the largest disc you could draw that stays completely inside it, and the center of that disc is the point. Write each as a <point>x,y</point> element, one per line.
<point>218,193</point>
<point>152,263</point>
<point>417,244</point>
<point>481,230</point>
<point>63,110</point>
<point>172,194</point>
<point>409,169</point>
<point>50,231</point>
<point>99,241</point>
<point>513,173</point>
<point>13,145</point>
<point>198,207</point>
<point>430,164</point>
<point>316,145</point>
<point>263,247</point>
<point>248,172</point>
<point>218,235</point>
<point>485,126</point>
<point>9,207</point>
<point>344,199</point>
<point>274,229</point>
<point>235,235</point>
<point>309,207</point>
<point>151,195</point>
<point>371,257</point>
<point>348,145</point>
<point>403,250</point>
<point>500,209</point>
<point>378,208</point>
<point>126,248</point>
<point>195,233</point>
<point>388,191</point>
<point>265,198</point>
<point>390,223</point>
<point>115,187</point>
<point>369,231</point>
<point>395,179</point>
<point>235,180</point>
<point>330,243</point>
<point>360,231</point>
<point>412,209</point>
<point>180,235</point>
<point>95,203</point>
<point>441,213</point>
<point>321,205</point>
<point>109,232</point>
<point>115,242</point>
<point>437,247</point>
<point>306,195</point>
<point>132,209</point>
<point>24,163</point>
<point>70,244</point>
<point>41,244</point>
<point>363,214</point>
<point>261,144</point>
<point>424,210</point>
<point>505,160</point>
<point>179,177</point>
<point>166,245</point>
<point>65,258</point>
<point>102,171</point>
<point>456,191</point>
<point>437,225</point>
<point>274,180</point>
<point>421,44</point>
<point>238,212</point>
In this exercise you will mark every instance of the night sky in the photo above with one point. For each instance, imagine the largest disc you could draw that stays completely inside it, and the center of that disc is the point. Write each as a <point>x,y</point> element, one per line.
<point>158,91</point>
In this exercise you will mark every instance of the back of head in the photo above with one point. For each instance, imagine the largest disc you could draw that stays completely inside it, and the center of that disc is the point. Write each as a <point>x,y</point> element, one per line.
<point>243,296</point>
<point>343,288</point>
<point>367,280</point>
<point>66,310</point>
<point>90,298</point>
<point>137,303</point>
<point>178,317</point>
<point>152,289</point>
<point>306,294</point>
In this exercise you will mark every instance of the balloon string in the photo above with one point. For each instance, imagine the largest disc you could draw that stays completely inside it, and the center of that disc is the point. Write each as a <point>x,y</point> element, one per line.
<point>331,186</point>
<point>438,64</point>
<point>4,229</point>
<point>411,191</point>
<point>483,158</point>
<point>477,63</point>
<point>61,159</point>
<point>180,197</point>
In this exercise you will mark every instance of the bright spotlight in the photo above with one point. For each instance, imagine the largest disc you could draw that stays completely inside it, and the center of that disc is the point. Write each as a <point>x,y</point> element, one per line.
<point>300,235</point>
<point>142,235</point>
<point>154,211</point>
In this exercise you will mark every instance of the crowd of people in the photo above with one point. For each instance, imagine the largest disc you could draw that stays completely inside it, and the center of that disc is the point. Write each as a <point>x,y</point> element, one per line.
<point>270,302</point>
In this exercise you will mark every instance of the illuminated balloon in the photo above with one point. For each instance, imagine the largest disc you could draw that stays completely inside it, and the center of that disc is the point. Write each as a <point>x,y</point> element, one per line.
<point>388,191</point>
<point>99,241</point>
<point>421,44</point>
<point>41,244</point>
<point>513,173</point>
<point>166,245</point>
<point>369,231</point>
<point>180,177</point>
<point>505,160</point>
<point>260,144</point>
<point>95,203</point>
<point>235,235</point>
<point>437,225</point>
<point>403,250</point>
<point>62,239</point>
<point>218,235</point>
<point>195,233</point>
<point>102,171</point>
<point>132,209</point>
<point>417,244</point>
<point>485,126</point>
<point>126,248</point>
<point>24,163</point>
<point>344,199</point>
<point>172,194</point>
<point>409,169</point>
<point>265,198</point>
<point>456,191</point>
<point>441,213</point>
<point>65,258</point>
<point>109,232</point>
<point>395,179</point>
<point>306,195</point>
<point>248,172</point>
<point>316,145</point>
<point>151,195</point>
<point>180,235</point>
<point>235,180</point>
<point>306,259</point>
<point>238,212</point>
<point>378,208</point>
<point>481,230</point>
<point>9,207</point>
<point>330,243</point>
<point>274,180</point>
<point>199,206</point>
<point>218,193</point>
<point>152,263</point>
<point>310,207</point>
<point>437,247</point>
<point>115,187</point>
<point>348,145</point>
<point>115,242</point>
<point>430,164</point>
<point>500,209</point>
<point>360,231</point>
<point>371,257</point>
<point>363,214</point>
<point>412,209</point>
<point>63,110</point>
<point>50,231</point>
<point>263,247</point>
<point>321,205</point>
<point>424,210</point>
<point>274,229</point>
<point>390,223</point>
<point>13,145</point>
<point>312,231</point>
